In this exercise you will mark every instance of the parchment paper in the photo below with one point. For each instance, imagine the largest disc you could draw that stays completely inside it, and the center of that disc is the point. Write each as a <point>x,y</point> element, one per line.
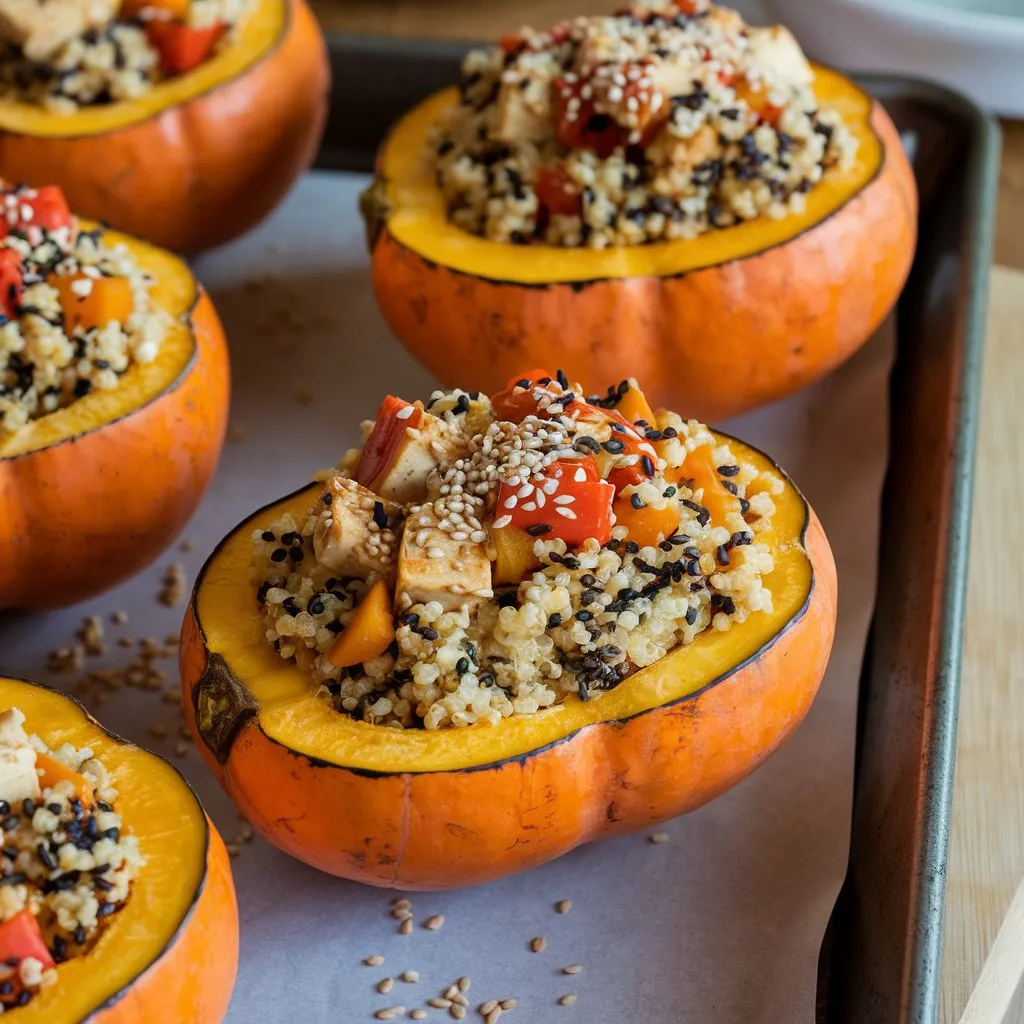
<point>721,924</point>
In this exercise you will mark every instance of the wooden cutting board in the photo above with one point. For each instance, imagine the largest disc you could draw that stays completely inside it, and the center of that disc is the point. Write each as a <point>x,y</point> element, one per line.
<point>986,858</point>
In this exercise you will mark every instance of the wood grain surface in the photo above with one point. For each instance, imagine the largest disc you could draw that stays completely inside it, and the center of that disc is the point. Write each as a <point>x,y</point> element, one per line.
<point>987,845</point>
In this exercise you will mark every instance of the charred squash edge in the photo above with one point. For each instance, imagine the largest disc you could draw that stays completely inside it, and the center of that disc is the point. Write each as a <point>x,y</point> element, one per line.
<point>252,710</point>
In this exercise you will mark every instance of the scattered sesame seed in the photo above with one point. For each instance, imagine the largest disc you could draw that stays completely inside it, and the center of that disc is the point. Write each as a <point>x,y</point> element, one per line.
<point>563,906</point>
<point>539,944</point>
<point>658,837</point>
<point>567,1000</point>
<point>411,977</point>
<point>405,928</point>
<point>572,969</point>
<point>385,985</point>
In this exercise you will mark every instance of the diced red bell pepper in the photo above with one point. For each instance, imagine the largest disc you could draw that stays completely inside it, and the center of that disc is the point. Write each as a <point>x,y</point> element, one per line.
<point>588,513</point>
<point>577,125</point>
<point>388,430</point>
<point>514,403</point>
<point>44,208</point>
<point>12,283</point>
<point>20,938</point>
<point>557,192</point>
<point>182,47</point>
<point>512,42</point>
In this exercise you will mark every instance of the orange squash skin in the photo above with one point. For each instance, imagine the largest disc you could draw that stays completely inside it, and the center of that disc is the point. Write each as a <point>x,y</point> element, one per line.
<point>436,830</point>
<point>200,173</point>
<point>194,978</point>
<point>719,340</point>
<point>81,515</point>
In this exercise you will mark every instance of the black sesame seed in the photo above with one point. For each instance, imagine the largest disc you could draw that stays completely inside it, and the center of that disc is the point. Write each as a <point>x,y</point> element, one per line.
<point>730,487</point>
<point>648,463</point>
<point>290,606</point>
<point>429,634</point>
<point>562,379</point>
<point>636,501</point>
<point>538,529</point>
<point>46,856</point>
<point>290,538</point>
<point>589,596</point>
<point>737,540</point>
<point>509,599</point>
<point>617,427</point>
<point>554,620</point>
<point>670,432</point>
<point>722,554</point>
<point>24,997</point>
<point>632,547</point>
<point>523,382</point>
<point>15,879</point>
<point>668,492</point>
<point>744,506</point>
<point>29,807</point>
<point>5,807</point>
<point>106,909</point>
<point>570,562</point>
<point>327,498</point>
<point>583,615</point>
<point>665,545</point>
<point>582,689</point>
<point>703,515</point>
<point>691,615</point>
<point>102,884</point>
<point>100,869</point>
<point>728,470</point>
<point>588,442</point>
<point>613,446</point>
<point>693,568</point>
<point>278,555</point>
<point>462,666</point>
<point>691,552</point>
<point>315,606</point>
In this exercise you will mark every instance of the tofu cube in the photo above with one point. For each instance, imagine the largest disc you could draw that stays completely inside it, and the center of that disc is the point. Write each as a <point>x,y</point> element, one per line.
<point>356,531</point>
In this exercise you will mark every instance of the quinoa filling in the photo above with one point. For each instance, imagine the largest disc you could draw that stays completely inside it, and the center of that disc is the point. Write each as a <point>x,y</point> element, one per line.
<point>75,313</point>
<point>62,55</point>
<point>484,557</point>
<point>65,864</point>
<point>654,124</point>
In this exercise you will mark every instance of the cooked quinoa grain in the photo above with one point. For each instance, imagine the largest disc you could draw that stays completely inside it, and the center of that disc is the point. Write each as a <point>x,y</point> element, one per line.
<point>656,123</point>
<point>48,358</point>
<point>562,484</point>
<point>91,53</point>
<point>65,860</point>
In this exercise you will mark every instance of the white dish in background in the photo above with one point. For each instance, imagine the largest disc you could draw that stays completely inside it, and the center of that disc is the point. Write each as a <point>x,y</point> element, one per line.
<point>973,46</point>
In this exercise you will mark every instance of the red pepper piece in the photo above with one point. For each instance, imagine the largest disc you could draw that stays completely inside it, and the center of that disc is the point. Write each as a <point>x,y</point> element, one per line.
<point>579,126</point>
<point>182,47</point>
<point>588,514</point>
<point>11,283</point>
<point>20,938</point>
<point>44,208</point>
<point>515,403</point>
<point>557,192</point>
<point>388,430</point>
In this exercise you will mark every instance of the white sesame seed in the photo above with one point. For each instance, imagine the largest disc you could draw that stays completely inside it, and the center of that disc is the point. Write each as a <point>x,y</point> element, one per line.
<point>502,522</point>
<point>580,476</point>
<point>564,499</point>
<point>566,512</point>
<point>530,506</point>
<point>405,413</point>
<point>511,501</point>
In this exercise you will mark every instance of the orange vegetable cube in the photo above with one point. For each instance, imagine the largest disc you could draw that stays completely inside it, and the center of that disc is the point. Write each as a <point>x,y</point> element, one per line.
<point>94,304</point>
<point>634,406</point>
<point>55,771</point>
<point>369,632</point>
<point>515,555</point>
<point>716,498</point>
<point>647,526</point>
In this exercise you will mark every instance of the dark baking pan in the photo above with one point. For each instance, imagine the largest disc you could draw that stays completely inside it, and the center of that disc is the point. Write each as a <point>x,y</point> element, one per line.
<point>881,956</point>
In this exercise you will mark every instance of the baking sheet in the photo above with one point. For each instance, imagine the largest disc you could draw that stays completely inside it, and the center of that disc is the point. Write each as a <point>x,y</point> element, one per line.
<point>721,923</point>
